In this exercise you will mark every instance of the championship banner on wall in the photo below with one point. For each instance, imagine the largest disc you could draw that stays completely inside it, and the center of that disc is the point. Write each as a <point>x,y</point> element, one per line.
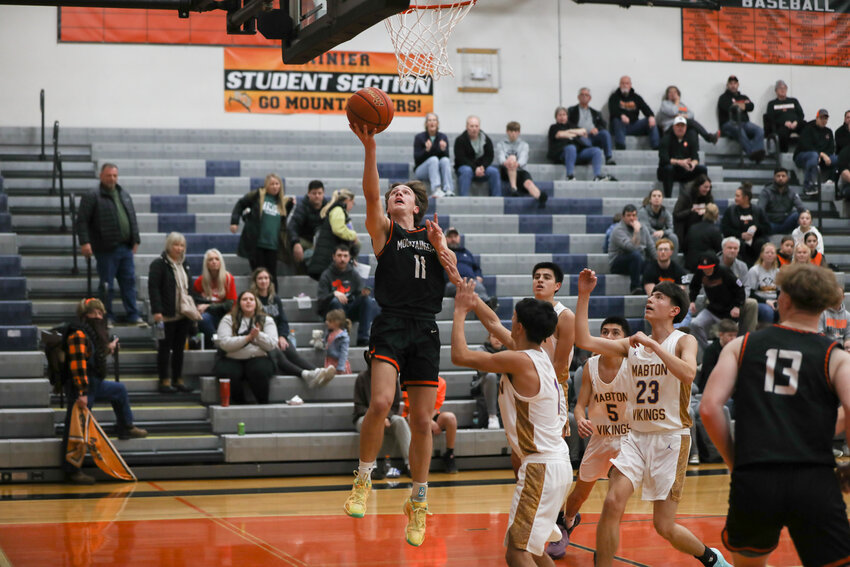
<point>257,81</point>
<point>796,32</point>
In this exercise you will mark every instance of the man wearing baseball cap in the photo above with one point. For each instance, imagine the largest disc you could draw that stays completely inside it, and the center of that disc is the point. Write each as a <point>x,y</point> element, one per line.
<point>678,155</point>
<point>732,109</point>
<point>724,296</point>
<point>815,153</point>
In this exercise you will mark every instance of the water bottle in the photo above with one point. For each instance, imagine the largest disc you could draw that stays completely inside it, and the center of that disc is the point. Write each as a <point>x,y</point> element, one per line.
<point>159,331</point>
<point>291,338</point>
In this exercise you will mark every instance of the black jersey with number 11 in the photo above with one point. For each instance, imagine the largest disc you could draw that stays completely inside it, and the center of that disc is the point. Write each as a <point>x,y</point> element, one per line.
<point>785,406</point>
<point>409,280</point>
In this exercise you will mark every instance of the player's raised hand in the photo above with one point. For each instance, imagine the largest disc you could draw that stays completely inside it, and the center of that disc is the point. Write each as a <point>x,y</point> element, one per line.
<point>364,134</point>
<point>586,281</point>
<point>465,298</point>
<point>640,338</point>
<point>435,233</point>
<point>449,262</point>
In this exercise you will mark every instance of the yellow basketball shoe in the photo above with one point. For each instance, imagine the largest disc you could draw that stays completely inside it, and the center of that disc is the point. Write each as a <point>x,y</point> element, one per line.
<point>416,512</point>
<point>355,504</point>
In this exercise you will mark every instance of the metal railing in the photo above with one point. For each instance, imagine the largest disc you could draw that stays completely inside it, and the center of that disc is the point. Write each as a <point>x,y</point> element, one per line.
<point>75,246</point>
<point>58,173</point>
<point>42,156</point>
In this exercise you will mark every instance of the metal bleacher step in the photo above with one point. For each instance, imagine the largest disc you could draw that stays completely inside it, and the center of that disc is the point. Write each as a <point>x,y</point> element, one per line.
<point>32,152</point>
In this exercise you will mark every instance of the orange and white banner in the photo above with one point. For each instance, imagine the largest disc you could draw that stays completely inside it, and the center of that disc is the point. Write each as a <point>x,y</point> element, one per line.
<point>257,81</point>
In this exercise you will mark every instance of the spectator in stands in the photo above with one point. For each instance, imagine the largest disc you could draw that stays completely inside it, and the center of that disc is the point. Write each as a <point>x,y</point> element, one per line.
<point>802,254</point>
<point>784,115</point>
<point>663,269</point>
<point>785,255</point>
<point>467,266</point>
<point>703,238</point>
<point>107,228</point>
<point>173,305</point>
<point>746,222</point>
<point>485,385</point>
<point>341,287</point>
<point>672,106</point>
<point>215,292</point>
<point>337,341</point>
<point>512,157</point>
<point>842,134</point>
<point>395,426</point>
<point>678,156</point>
<point>815,153</point>
<point>304,223</point>
<point>86,347</point>
<point>336,228</point>
<point>780,203</point>
<point>286,358</point>
<point>264,213</point>
<point>615,220</point>
<point>655,217</point>
<point>760,283</point>
<point>812,241</point>
<point>833,322</point>
<point>474,155</point>
<point>725,332</point>
<point>431,158</point>
<point>805,226</point>
<point>732,114</point>
<point>630,248</point>
<point>625,107</point>
<point>724,295</point>
<point>730,247</point>
<point>247,335</point>
<point>590,119</point>
<point>565,146</point>
<point>842,166</point>
<point>441,421</point>
<point>690,207</point>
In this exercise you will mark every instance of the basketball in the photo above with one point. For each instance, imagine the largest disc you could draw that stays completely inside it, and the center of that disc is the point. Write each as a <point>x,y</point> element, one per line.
<point>370,107</point>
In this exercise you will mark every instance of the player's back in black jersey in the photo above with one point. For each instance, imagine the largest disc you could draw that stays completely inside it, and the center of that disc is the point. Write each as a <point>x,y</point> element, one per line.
<point>785,407</point>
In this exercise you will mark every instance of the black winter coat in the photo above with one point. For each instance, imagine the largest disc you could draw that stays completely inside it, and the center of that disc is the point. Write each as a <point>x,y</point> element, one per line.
<point>97,220</point>
<point>162,286</point>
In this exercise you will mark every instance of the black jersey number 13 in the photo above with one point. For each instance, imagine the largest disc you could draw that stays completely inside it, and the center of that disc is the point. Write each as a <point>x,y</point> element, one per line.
<point>790,362</point>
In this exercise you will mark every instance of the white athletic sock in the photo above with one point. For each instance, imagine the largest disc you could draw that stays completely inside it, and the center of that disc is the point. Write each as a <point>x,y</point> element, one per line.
<point>364,470</point>
<point>419,492</point>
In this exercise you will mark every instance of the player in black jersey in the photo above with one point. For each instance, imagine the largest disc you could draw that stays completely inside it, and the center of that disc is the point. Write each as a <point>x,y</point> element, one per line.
<point>405,341</point>
<point>787,381</point>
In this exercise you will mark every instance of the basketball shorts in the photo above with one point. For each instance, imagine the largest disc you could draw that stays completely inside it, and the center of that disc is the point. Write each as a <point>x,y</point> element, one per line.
<point>541,488</point>
<point>597,457</point>
<point>806,499</point>
<point>411,345</point>
<point>655,460</point>
<point>521,177</point>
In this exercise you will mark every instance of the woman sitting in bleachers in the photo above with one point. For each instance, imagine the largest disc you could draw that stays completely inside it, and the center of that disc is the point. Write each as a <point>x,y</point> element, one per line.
<point>264,239</point>
<point>672,106</point>
<point>654,216</point>
<point>690,207</point>
<point>761,282</point>
<point>336,228</point>
<point>246,335</point>
<point>804,226</point>
<point>811,240</point>
<point>215,292</point>
<point>286,358</point>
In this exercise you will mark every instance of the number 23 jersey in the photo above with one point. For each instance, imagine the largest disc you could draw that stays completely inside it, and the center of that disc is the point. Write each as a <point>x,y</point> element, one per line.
<point>658,401</point>
<point>409,279</point>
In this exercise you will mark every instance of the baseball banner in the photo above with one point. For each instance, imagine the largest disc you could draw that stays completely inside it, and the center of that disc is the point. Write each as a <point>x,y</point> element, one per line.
<point>257,81</point>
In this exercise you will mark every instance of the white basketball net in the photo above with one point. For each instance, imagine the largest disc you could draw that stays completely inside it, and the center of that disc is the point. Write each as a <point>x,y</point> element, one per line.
<point>420,35</point>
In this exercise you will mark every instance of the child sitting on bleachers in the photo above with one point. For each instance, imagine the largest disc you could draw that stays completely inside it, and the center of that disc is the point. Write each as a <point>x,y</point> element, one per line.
<point>337,340</point>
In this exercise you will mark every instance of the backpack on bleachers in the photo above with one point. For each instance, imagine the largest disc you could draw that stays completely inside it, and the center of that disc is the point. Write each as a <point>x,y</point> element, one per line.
<point>54,343</point>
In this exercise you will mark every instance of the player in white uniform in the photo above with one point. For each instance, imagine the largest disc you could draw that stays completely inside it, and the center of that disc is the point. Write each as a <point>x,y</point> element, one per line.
<point>604,392</point>
<point>655,451</point>
<point>534,412</point>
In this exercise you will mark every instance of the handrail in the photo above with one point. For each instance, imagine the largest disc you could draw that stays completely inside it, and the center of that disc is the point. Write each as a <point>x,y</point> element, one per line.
<point>73,206</point>
<point>43,156</point>
<point>55,155</point>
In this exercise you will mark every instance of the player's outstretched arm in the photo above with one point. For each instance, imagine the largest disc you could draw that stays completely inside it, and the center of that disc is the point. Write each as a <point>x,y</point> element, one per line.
<point>839,374</point>
<point>566,334</point>
<point>447,258</point>
<point>682,364</point>
<point>583,338</point>
<point>718,390</point>
<point>377,223</point>
<point>585,426</point>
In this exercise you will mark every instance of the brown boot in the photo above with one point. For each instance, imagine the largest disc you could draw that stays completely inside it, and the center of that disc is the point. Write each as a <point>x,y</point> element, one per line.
<point>181,387</point>
<point>165,387</point>
<point>132,432</point>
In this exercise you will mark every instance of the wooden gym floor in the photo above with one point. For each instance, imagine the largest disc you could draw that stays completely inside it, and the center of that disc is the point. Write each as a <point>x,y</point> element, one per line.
<point>299,522</point>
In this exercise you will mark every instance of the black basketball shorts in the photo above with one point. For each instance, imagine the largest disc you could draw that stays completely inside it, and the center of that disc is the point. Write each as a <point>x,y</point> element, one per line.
<point>411,345</point>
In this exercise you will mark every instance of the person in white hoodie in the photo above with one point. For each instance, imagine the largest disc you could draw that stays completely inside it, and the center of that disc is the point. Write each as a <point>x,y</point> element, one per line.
<point>247,335</point>
<point>833,323</point>
<point>512,157</point>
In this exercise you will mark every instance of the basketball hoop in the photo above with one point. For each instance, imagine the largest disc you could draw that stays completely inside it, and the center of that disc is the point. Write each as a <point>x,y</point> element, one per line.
<point>420,35</point>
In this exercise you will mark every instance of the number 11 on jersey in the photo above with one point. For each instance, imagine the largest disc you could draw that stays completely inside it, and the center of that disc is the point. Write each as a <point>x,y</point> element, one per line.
<point>419,268</point>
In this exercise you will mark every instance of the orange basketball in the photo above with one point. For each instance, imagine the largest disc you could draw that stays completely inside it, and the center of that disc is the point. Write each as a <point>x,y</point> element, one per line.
<point>370,107</point>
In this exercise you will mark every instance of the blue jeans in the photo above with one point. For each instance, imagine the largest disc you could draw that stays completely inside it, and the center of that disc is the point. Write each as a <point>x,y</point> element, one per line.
<point>465,176</point>
<point>437,171</point>
<point>208,325</point>
<point>750,136</point>
<point>629,264</point>
<point>810,163</point>
<point>638,128</point>
<point>573,155</point>
<point>118,264</point>
<point>786,226</point>
<point>363,308</point>
<point>765,313</point>
<point>601,140</point>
